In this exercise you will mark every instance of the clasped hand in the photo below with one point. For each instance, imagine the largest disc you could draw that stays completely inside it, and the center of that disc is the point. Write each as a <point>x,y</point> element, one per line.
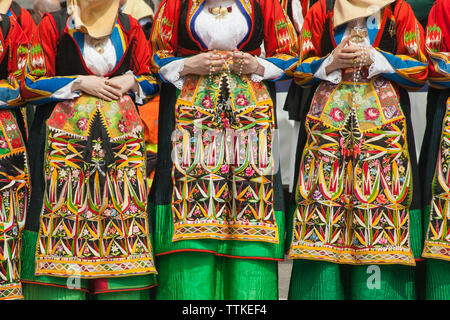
<point>212,62</point>
<point>107,89</point>
<point>347,55</point>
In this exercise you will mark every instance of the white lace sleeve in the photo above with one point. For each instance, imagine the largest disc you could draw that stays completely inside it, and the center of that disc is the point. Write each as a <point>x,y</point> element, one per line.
<point>171,72</point>
<point>380,64</point>
<point>333,77</point>
<point>271,71</point>
<point>66,93</point>
<point>139,95</point>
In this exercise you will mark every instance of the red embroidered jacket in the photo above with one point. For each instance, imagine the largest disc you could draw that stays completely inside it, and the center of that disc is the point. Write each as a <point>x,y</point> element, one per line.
<point>438,44</point>
<point>13,57</point>
<point>400,39</point>
<point>174,37</point>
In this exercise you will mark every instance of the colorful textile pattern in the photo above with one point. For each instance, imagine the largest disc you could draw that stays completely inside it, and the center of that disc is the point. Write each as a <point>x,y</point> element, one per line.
<point>14,197</point>
<point>94,219</point>
<point>14,172</point>
<point>223,164</point>
<point>438,46</point>
<point>355,182</point>
<point>437,243</point>
<point>409,60</point>
<point>14,49</point>
<point>219,192</point>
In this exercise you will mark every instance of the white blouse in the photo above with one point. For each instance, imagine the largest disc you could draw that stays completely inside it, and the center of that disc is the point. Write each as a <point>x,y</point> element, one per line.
<point>100,64</point>
<point>380,63</point>
<point>224,33</point>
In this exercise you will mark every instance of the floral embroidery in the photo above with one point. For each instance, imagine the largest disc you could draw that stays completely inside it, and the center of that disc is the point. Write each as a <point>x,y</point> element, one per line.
<point>82,123</point>
<point>352,195</point>
<point>229,187</point>
<point>336,114</point>
<point>207,102</point>
<point>371,114</point>
<point>108,174</point>
<point>241,100</point>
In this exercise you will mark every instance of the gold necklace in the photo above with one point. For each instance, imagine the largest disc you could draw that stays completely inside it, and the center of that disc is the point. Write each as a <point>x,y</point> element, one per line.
<point>220,12</point>
<point>97,43</point>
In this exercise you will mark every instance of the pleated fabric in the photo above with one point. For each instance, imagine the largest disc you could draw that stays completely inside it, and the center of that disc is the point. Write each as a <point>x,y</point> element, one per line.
<point>40,292</point>
<point>315,280</point>
<point>437,280</point>
<point>206,276</point>
<point>319,280</point>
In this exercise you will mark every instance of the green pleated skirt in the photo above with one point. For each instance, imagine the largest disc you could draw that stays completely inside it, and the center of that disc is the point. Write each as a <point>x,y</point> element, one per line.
<point>206,276</point>
<point>212,269</point>
<point>45,292</point>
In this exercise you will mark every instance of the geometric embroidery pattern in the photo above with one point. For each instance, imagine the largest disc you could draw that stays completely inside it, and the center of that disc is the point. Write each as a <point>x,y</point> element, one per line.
<point>223,165</point>
<point>437,243</point>
<point>354,187</point>
<point>94,218</point>
<point>14,198</point>
<point>11,291</point>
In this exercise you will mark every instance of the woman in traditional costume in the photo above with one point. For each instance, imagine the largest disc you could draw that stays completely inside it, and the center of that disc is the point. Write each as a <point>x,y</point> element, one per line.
<point>218,205</point>
<point>28,26</point>
<point>435,155</point>
<point>88,229</point>
<point>14,172</point>
<point>356,228</point>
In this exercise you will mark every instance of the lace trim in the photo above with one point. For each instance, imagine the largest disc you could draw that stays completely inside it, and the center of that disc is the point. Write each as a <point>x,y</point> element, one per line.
<point>334,77</point>
<point>171,72</point>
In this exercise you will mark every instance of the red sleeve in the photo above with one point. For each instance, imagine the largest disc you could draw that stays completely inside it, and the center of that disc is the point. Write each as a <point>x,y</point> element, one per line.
<point>27,23</point>
<point>164,36</point>
<point>141,59</point>
<point>310,55</point>
<point>18,44</point>
<point>438,44</point>
<point>305,7</point>
<point>312,31</point>
<point>280,37</point>
<point>141,55</point>
<point>42,56</point>
<point>17,51</point>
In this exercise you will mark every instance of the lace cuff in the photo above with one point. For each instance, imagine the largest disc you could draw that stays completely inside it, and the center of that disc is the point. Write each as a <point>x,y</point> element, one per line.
<point>171,72</point>
<point>139,95</point>
<point>334,77</point>
<point>271,71</point>
<point>66,93</point>
<point>379,65</point>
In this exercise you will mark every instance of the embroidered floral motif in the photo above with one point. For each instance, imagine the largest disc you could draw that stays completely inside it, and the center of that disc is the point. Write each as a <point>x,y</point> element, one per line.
<point>352,196</point>
<point>14,199</point>
<point>437,241</point>
<point>371,114</point>
<point>336,114</point>
<point>207,102</point>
